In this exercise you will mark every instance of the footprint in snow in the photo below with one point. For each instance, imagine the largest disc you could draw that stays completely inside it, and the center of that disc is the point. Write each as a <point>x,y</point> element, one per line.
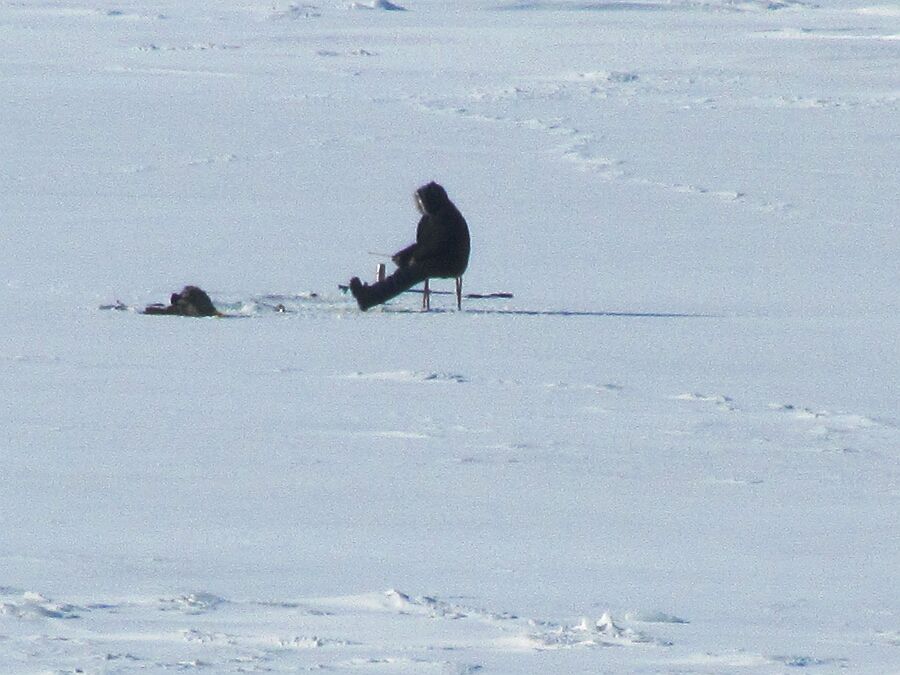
<point>202,637</point>
<point>192,603</point>
<point>604,632</point>
<point>721,401</point>
<point>402,435</point>
<point>890,637</point>
<point>741,659</point>
<point>655,617</point>
<point>409,376</point>
<point>35,606</point>
<point>383,5</point>
<point>827,421</point>
<point>296,11</point>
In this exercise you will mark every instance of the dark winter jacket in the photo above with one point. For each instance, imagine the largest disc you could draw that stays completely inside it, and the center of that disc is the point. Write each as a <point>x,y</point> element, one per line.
<point>442,236</point>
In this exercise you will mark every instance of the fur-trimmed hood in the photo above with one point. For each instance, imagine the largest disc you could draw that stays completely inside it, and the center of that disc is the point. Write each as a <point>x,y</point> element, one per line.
<point>432,198</point>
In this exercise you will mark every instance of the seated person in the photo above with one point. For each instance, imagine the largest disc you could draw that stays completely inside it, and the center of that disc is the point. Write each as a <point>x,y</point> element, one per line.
<point>441,250</point>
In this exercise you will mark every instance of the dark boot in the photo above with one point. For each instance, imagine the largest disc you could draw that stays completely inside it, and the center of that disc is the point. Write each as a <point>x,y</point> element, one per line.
<point>360,291</point>
<point>402,280</point>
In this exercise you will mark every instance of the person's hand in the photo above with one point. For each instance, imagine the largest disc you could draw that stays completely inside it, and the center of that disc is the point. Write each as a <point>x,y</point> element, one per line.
<point>402,259</point>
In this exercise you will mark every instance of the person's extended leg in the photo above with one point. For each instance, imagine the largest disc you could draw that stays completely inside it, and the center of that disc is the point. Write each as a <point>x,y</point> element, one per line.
<point>401,280</point>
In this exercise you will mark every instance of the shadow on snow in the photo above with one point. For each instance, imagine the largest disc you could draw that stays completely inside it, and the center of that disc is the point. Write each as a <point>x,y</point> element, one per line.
<point>549,312</point>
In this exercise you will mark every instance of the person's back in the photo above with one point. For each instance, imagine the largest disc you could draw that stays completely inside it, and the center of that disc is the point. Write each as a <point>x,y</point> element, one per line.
<point>442,236</point>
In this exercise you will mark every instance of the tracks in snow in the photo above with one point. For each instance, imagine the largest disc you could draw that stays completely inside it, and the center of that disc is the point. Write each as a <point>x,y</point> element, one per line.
<point>391,631</point>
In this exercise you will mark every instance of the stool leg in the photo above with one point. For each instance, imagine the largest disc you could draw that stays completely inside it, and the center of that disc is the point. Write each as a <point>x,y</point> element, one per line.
<point>426,297</point>
<point>459,293</point>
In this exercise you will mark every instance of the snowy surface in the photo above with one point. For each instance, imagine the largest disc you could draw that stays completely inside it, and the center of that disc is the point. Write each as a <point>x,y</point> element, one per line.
<point>675,450</point>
